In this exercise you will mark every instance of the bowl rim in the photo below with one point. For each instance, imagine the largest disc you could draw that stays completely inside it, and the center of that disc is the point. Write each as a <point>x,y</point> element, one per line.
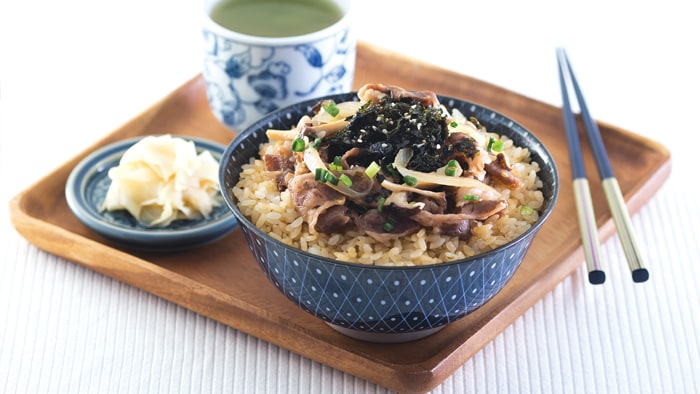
<point>545,156</point>
<point>98,162</point>
<point>342,25</point>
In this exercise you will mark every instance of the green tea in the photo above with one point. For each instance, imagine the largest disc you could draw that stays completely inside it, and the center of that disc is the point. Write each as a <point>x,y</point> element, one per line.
<point>280,18</point>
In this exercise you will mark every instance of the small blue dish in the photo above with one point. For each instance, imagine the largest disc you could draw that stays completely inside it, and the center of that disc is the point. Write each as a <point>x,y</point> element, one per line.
<point>87,186</point>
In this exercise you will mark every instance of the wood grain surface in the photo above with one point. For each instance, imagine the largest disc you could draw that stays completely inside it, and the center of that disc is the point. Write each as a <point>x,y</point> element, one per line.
<point>223,282</point>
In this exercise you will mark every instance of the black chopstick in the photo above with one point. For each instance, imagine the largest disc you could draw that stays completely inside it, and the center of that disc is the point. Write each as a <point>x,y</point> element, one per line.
<point>609,183</point>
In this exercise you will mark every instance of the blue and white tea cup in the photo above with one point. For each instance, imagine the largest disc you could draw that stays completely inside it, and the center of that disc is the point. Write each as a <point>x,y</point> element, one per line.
<point>249,76</point>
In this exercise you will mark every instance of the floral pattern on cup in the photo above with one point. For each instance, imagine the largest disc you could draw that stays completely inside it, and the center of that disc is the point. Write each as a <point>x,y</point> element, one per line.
<point>245,82</point>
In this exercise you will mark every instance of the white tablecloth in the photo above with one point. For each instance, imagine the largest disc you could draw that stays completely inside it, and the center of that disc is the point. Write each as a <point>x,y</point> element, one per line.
<point>73,71</point>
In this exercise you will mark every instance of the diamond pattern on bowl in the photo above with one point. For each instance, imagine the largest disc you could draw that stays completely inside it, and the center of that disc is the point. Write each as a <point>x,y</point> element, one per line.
<point>388,300</point>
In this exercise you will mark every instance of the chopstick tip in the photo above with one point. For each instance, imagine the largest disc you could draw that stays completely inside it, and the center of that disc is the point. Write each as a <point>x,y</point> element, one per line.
<point>596,277</point>
<point>640,275</point>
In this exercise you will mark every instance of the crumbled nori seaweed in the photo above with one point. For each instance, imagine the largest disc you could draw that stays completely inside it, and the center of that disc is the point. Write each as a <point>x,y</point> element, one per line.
<point>389,125</point>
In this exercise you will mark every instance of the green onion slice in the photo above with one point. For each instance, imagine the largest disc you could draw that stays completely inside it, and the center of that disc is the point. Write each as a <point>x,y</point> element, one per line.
<point>495,145</point>
<point>526,210</point>
<point>298,145</point>
<point>380,205</point>
<point>372,170</point>
<point>337,164</point>
<point>471,197</point>
<point>346,180</point>
<point>451,168</point>
<point>388,225</point>
<point>410,180</point>
<point>332,109</point>
<point>392,169</point>
<point>330,178</point>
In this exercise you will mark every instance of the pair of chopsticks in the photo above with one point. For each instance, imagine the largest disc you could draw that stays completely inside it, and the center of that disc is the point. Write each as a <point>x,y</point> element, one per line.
<point>611,188</point>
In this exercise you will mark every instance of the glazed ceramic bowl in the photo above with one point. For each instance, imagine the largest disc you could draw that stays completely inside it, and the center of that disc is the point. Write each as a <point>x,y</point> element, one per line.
<point>385,304</point>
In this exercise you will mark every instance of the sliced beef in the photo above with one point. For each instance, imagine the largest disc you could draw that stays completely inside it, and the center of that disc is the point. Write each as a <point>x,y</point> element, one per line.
<point>361,183</point>
<point>283,165</point>
<point>279,162</point>
<point>461,148</point>
<point>356,156</point>
<point>312,198</point>
<point>374,224</point>
<point>336,219</point>
<point>282,179</point>
<point>432,204</point>
<point>324,130</point>
<point>459,223</point>
<point>376,91</point>
<point>500,171</point>
<point>483,209</point>
<point>452,224</point>
<point>459,228</point>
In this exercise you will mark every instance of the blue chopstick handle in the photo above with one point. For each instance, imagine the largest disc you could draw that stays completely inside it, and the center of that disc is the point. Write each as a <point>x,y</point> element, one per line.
<point>591,127</point>
<point>577,167</point>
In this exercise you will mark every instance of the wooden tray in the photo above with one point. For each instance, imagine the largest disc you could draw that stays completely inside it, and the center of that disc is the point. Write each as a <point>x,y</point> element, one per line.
<point>222,280</point>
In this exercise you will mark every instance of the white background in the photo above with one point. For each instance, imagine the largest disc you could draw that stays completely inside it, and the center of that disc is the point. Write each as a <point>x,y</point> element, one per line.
<point>74,70</point>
